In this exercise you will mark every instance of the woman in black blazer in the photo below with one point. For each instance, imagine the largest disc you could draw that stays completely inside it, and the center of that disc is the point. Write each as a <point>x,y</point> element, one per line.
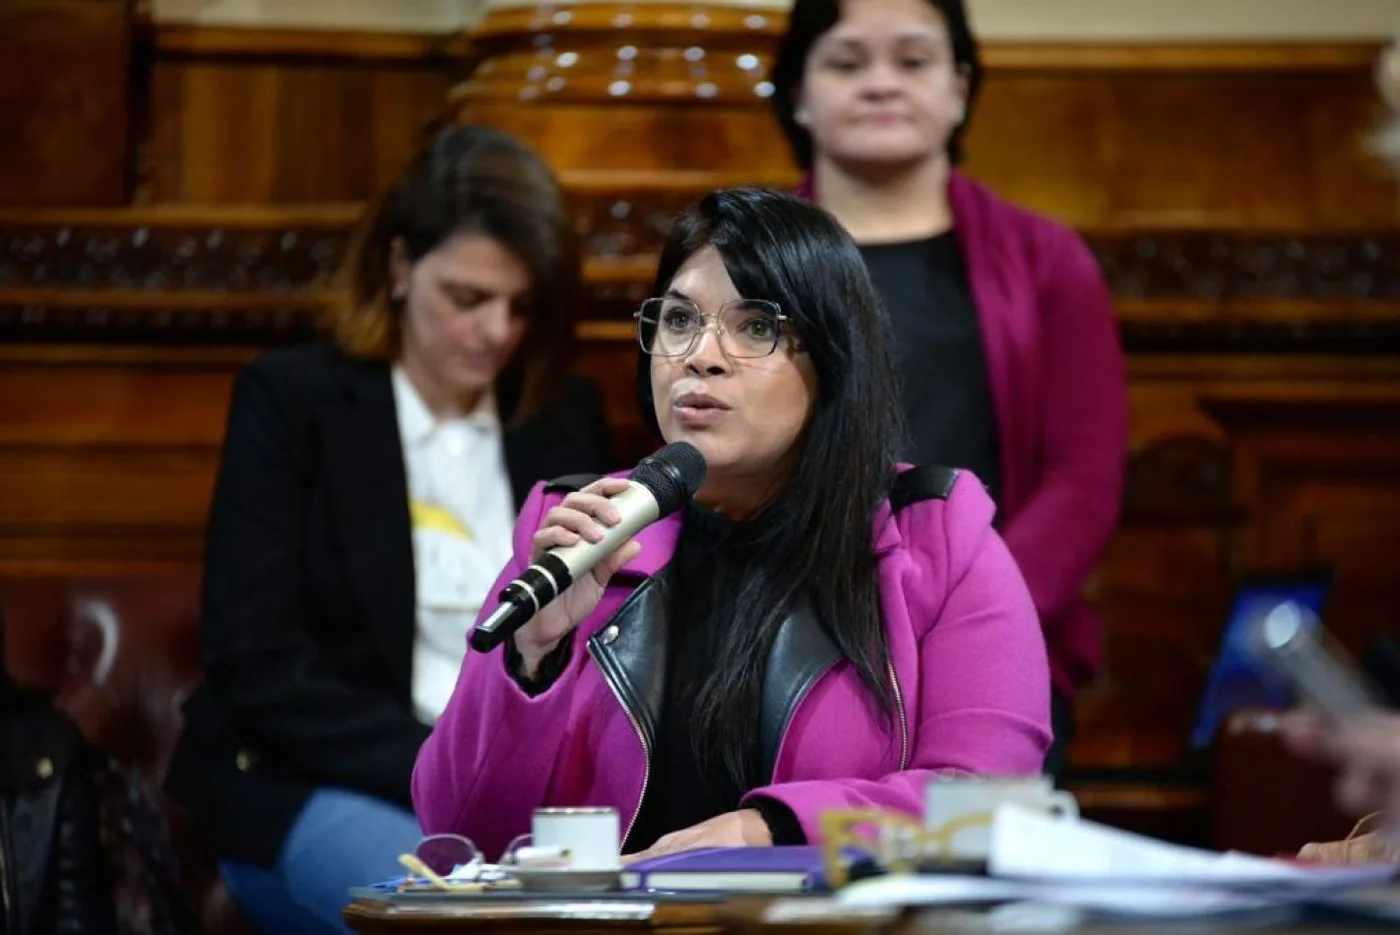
<point>363,481</point>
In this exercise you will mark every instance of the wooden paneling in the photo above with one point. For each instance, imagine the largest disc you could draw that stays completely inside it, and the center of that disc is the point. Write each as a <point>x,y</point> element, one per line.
<point>1323,479</point>
<point>107,458</point>
<point>1212,150</point>
<point>1236,459</point>
<point>64,101</point>
<point>1110,136</point>
<point>1215,137</point>
<point>287,117</point>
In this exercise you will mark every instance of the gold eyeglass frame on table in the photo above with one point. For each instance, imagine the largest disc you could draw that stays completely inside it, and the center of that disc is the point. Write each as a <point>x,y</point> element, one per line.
<point>902,844</point>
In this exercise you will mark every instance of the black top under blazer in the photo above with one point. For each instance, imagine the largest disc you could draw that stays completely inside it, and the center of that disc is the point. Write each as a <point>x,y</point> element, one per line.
<point>309,613</point>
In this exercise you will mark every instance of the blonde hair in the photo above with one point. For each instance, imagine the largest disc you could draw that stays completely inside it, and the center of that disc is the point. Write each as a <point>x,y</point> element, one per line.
<point>1387,142</point>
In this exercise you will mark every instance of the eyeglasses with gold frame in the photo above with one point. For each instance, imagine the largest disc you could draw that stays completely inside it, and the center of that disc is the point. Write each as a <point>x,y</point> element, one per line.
<point>898,843</point>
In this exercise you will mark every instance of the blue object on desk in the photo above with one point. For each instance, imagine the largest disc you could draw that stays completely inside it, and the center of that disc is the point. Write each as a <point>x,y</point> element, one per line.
<point>1236,681</point>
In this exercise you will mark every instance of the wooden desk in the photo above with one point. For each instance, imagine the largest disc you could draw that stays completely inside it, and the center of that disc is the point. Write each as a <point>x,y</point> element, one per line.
<point>547,915</point>
<point>753,919</point>
<point>747,916</point>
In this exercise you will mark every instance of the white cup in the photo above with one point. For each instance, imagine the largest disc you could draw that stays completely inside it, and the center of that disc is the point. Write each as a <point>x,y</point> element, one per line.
<point>584,838</point>
<point>961,809</point>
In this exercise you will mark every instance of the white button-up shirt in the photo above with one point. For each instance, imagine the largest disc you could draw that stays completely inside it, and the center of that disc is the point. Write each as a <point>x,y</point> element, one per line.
<point>463,514</point>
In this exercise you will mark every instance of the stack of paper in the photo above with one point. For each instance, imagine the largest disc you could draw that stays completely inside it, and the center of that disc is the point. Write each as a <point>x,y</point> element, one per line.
<point>1033,846</point>
<point>1041,859</point>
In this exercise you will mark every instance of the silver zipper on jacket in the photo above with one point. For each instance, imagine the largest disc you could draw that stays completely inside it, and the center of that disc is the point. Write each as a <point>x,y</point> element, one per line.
<point>641,737</point>
<point>797,706</point>
<point>903,720</point>
<point>899,703</point>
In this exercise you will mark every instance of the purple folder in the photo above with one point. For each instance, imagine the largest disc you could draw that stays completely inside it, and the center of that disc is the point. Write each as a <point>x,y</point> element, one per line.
<point>731,869</point>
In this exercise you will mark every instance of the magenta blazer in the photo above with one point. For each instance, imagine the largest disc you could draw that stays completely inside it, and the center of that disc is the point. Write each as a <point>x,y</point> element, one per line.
<point>1059,385</point>
<point>968,669</point>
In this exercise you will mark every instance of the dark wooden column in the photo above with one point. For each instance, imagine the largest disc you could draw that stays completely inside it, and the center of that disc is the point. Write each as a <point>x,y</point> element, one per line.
<point>65,102</point>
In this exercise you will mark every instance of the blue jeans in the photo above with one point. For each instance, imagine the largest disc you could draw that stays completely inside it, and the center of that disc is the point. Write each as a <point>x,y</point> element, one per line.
<point>340,840</point>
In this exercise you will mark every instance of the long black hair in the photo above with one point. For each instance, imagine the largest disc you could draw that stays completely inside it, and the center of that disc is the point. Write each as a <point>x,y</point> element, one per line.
<point>809,20</point>
<point>814,536</point>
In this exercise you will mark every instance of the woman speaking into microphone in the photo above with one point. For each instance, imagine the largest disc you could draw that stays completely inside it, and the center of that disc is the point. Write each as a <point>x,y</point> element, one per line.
<point>820,627</point>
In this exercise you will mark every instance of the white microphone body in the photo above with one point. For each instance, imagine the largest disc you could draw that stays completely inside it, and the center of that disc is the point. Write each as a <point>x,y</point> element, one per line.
<point>660,485</point>
<point>639,510</point>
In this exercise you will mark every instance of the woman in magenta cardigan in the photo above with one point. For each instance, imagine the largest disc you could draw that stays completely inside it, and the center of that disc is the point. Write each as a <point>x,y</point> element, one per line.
<point>811,633</point>
<point>1004,329</point>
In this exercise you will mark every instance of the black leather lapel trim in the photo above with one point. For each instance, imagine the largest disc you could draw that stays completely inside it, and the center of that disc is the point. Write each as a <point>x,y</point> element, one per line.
<point>630,650</point>
<point>801,654</point>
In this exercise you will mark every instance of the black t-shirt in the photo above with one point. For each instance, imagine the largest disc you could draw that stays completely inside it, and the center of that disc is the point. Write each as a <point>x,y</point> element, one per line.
<point>682,790</point>
<point>946,393</point>
<point>712,558</point>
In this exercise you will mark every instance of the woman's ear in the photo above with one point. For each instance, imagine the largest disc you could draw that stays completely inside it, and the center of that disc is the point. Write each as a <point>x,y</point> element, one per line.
<point>1388,75</point>
<point>399,269</point>
<point>799,107</point>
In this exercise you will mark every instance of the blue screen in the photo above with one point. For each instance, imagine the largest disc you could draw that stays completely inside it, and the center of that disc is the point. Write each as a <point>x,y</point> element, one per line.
<point>1236,681</point>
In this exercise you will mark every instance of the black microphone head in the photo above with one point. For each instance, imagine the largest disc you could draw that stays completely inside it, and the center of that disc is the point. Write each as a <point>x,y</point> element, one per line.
<point>672,475</point>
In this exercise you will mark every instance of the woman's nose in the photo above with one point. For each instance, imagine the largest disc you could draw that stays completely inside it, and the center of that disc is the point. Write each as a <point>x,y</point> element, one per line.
<point>881,79</point>
<point>494,320</point>
<point>707,356</point>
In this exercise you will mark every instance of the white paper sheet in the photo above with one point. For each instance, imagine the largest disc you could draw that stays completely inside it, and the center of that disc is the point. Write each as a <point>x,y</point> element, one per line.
<point>1027,845</point>
<point>1039,859</point>
<point>1146,900</point>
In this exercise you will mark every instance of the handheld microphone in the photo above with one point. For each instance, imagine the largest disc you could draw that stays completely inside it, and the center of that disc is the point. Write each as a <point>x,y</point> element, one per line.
<point>659,485</point>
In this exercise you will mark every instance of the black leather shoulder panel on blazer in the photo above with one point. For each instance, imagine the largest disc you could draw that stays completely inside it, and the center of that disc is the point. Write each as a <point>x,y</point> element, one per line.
<point>924,482</point>
<point>801,654</point>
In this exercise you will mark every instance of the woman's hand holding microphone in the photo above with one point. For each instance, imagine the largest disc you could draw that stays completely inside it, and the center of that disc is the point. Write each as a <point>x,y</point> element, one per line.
<point>582,516</point>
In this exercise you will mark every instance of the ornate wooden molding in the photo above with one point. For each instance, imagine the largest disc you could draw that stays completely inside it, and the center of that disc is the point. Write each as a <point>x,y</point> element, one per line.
<point>240,276</point>
<point>613,53</point>
<point>1214,266</point>
<point>502,28</point>
<point>709,54</point>
<point>156,318</point>
<point>275,250</point>
<point>168,251</point>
